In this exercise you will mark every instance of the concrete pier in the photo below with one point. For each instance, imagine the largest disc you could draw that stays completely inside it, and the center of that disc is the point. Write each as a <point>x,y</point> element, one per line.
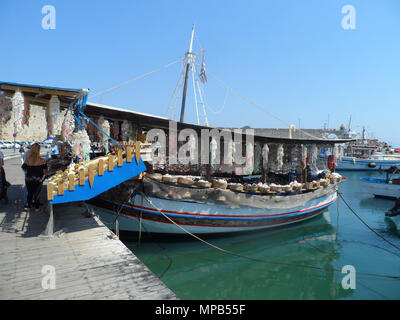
<point>81,260</point>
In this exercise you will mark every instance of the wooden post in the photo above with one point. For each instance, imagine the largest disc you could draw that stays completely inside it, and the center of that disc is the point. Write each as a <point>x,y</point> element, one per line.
<point>120,159</point>
<point>71,178</point>
<point>91,175</point>
<point>110,162</point>
<point>128,154</point>
<point>61,188</point>
<point>137,151</point>
<point>81,177</point>
<point>100,169</point>
<point>50,189</point>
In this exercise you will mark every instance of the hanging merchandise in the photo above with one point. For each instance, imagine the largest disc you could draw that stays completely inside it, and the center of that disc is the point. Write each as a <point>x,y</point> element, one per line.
<point>265,152</point>
<point>5,110</point>
<point>279,157</point>
<point>18,106</point>
<point>68,126</point>
<point>249,166</point>
<point>213,151</point>
<point>52,111</point>
<point>103,135</point>
<point>304,155</point>
<point>295,155</point>
<point>314,157</point>
<point>81,146</point>
<point>26,116</point>
<point>116,130</point>
<point>287,163</point>
<point>125,130</point>
<point>91,128</point>
<point>272,156</point>
<point>257,158</point>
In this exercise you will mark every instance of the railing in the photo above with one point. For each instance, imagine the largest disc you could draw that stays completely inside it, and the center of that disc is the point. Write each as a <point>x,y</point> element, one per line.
<point>80,173</point>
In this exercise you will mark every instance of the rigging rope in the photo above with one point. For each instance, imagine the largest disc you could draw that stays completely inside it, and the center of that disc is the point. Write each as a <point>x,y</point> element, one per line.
<point>136,78</point>
<point>175,92</point>
<point>261,108</point>
<point>202,102</point>
<point>256,259</point>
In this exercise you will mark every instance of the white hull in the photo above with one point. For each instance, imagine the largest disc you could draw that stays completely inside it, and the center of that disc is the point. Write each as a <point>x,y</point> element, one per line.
<point>380,188</point>
<point>200,218</point>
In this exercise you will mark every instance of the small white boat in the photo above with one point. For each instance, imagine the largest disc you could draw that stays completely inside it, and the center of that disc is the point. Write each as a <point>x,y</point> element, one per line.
<point>384,188</point>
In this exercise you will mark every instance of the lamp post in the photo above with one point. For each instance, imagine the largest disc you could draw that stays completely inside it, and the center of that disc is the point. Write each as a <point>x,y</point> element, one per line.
<point>14,135</point>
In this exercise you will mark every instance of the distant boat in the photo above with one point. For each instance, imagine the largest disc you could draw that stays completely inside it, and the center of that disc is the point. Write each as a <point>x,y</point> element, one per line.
<point>363,157</point>
<point>388,188</point>
<point>373,163</point>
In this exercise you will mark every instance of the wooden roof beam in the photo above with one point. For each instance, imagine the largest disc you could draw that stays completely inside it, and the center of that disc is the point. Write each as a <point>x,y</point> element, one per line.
<point>39,90</point>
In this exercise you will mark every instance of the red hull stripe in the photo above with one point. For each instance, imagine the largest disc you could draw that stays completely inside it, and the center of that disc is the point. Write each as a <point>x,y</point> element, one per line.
<point>233,216</point>
<point>228,226</point>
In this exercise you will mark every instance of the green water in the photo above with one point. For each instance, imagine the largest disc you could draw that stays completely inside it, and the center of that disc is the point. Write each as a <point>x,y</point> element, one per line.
<point>303,261</point>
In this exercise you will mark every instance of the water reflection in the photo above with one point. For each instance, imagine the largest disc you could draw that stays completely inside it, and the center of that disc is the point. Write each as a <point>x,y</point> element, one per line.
<point>296,262</point>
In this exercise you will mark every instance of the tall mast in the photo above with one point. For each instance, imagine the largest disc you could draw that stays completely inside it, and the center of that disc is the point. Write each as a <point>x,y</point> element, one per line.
<point>188,57</point>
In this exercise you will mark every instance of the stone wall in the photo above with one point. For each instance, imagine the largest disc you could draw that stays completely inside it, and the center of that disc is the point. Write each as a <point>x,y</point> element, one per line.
<point>37,129</point>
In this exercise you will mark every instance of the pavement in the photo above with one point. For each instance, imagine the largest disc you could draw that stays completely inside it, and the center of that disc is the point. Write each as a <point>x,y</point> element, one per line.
<point>11,154</point>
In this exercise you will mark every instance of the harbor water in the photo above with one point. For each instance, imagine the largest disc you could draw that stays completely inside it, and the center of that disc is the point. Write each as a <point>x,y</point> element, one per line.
<point>303,261</point>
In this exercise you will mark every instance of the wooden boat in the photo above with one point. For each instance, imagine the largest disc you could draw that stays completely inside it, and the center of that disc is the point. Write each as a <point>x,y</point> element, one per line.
<point>217,201</point>
<point>176,209</point>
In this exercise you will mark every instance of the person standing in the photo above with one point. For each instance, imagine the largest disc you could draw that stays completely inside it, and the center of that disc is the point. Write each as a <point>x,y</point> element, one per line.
<point>22,153</point>
<point>35,168</point>
<point>3,182</point>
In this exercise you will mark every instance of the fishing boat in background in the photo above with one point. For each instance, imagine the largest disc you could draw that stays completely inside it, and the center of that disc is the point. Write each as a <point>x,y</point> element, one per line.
<point>388,188</point>
<point>362,156</point>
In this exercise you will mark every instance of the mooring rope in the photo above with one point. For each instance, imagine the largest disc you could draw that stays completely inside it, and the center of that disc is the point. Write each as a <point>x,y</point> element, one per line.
<point>257,259</point>
<point>359,218</point>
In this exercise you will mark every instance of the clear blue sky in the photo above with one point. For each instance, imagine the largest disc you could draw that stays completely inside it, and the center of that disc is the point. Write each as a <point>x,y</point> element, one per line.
<point>291,57</point>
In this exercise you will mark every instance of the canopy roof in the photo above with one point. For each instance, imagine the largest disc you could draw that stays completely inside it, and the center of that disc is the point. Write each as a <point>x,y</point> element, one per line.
<point>40,95</point>
<point>148,121</point>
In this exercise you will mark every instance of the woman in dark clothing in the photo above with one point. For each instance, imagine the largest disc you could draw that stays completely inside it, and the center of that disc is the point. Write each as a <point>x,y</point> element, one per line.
<point>3,182</point>
<point>35,167</point>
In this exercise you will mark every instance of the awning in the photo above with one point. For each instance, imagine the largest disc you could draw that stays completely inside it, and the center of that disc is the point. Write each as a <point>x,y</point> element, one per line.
<point>41,95</point>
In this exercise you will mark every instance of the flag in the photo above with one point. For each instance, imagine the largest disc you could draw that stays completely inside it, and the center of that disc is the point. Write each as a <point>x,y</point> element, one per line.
<point>202,74</point>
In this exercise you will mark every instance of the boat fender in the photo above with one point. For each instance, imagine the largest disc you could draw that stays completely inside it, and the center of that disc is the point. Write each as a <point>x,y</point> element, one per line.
<point>331,163</point>
<point>372,164</point>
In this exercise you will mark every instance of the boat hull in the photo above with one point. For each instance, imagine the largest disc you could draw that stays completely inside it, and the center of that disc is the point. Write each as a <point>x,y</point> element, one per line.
<point>380,188</point>
<point>157,215</point>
